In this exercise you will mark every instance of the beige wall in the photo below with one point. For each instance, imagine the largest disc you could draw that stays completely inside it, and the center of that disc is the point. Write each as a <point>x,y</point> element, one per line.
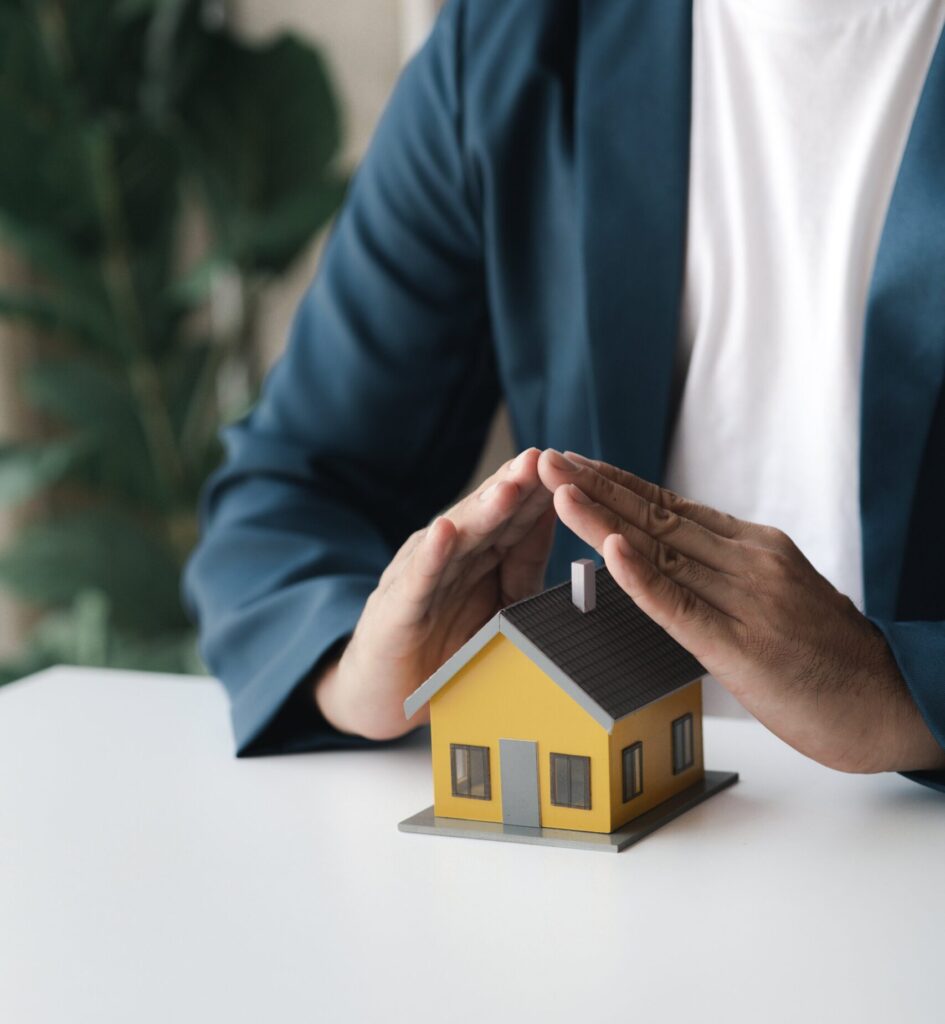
<point>14,349</point>
<point>362,43</point>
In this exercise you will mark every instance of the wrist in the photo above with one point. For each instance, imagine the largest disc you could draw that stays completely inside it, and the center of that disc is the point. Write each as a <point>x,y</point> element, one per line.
<point>330,694</point>
<point>909,744</point>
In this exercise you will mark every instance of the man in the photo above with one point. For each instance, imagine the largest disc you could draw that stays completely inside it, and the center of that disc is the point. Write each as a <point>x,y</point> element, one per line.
<point>697,242</point>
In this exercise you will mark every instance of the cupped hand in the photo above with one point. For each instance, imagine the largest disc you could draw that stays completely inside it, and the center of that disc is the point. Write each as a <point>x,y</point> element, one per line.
<point>445,582</point>
<point>746,602</point>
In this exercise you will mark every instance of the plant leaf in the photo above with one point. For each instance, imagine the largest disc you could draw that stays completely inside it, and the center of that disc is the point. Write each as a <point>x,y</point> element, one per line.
<point>84,634</point>
<point>81,393</point>
<point>27,469</point>
<point>117,456</point>
<point>102,406</point>
<point>60,311</point>
<point>53,561</point>
<point>171,652</point>
<point>249,103</point>
<point>194,286</point>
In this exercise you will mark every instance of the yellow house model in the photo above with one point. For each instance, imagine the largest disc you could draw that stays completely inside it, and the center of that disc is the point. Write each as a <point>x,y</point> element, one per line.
<point>569,718</point>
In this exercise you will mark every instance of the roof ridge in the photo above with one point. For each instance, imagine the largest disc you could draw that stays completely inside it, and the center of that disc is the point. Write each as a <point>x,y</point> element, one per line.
<point>612,661</point>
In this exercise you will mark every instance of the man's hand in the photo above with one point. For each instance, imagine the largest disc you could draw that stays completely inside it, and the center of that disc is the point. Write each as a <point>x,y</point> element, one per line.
<point>445,582</point>
<point>743,600</point>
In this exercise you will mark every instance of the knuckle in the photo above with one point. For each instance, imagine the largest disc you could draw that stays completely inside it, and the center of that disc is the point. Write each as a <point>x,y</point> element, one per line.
<point>778,539</point>
<point>675,600</point>
<point>730,525</point>
<point>775,564</point>
<point>599,487</point>
<point>660,521</point>
<point>671,501</point>
<point>669,561</point>
<point>614,523</point>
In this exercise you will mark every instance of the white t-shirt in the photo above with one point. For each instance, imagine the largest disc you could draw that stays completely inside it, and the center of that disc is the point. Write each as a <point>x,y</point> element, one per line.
<point>801,111</point>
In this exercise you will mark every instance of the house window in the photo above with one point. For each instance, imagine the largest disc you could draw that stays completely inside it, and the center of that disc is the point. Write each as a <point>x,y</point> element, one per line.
<point>571,781</point>
<point>682,744</point>
<point>632,771</point>
<point>469,768</point>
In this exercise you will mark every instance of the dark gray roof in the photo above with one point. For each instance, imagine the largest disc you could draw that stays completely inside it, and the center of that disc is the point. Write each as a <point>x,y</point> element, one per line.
<point>616,654</point>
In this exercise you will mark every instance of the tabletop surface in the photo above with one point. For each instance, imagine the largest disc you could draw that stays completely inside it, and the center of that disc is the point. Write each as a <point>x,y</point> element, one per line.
<point>146,875</point>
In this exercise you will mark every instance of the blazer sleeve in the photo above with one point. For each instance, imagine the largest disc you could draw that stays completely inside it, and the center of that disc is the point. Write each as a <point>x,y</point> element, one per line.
<point>369,424</point>
<point>919,650</point>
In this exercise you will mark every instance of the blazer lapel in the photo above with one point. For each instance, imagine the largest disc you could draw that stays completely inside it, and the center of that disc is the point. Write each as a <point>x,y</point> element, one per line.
<point>632,160</point>
<point>904,353</point>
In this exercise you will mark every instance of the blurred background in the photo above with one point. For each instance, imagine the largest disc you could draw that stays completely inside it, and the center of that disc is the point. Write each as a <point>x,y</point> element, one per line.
<point>170,171</point>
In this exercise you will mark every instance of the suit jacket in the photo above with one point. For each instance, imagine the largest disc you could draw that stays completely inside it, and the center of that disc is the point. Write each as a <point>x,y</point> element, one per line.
<point>517,229</point>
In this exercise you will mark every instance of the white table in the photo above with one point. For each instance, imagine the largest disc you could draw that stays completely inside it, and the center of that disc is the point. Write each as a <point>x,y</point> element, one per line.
<point>148,876</point>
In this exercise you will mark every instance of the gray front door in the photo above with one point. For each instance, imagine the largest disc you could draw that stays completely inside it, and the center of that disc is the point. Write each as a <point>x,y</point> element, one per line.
<point>519,770</point>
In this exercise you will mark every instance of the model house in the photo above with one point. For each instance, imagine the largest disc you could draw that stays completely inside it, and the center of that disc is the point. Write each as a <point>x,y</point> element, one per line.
<point>571,710</point>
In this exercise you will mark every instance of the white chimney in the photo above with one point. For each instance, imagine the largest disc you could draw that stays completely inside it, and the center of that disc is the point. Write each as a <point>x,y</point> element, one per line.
<point>583,585</point>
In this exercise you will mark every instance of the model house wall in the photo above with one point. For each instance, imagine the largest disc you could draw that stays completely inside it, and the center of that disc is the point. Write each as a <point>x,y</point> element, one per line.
<point>652,726</point>
<point>501,694</point>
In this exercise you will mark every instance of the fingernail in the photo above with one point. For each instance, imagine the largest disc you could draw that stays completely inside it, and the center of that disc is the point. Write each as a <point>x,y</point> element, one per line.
<point>516,464</point>
<point>487,493</point>
<point>578,495</point>
<point>560,462</point>
<point>623,546</point>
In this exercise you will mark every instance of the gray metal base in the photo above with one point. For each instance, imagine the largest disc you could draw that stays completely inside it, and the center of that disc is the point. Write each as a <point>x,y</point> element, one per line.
<point>612,842</point>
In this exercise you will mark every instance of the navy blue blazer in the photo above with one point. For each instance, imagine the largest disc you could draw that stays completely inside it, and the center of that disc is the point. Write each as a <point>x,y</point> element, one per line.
<point>517,229</point>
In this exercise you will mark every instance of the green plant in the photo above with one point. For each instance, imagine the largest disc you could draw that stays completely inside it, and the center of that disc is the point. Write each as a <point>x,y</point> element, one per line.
<point>130,128</point>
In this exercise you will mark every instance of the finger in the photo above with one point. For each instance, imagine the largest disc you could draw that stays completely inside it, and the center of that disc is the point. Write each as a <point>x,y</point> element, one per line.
<point>718,522</point>
<point>523,569</point>
<point>485,540</point>
<point>481,513</point>
<point>401,557</point>
<point>692,623</point>
<point>478,529</point>
<point>471,526</point>
<point>521,523</point>
<point>470,565</point>
<point>685,536</point>
<point>721,523</point>
<point>412,592</point>
<point>523,468</point>
<point>594,523</point>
